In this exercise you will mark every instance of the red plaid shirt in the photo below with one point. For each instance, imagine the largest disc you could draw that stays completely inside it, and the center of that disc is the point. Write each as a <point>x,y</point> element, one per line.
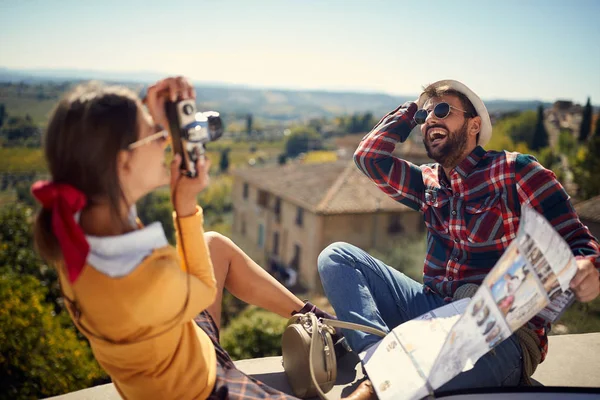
<point>472,215</point>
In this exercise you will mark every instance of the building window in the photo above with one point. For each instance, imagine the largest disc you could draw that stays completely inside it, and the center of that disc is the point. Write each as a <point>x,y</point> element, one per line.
<point>263,198</point>
<point>299,216</point>
<point>395,225</point>
<point>246,189</point>
<point>295,263</point>
<point>277,209</point>
<point>276,243</point>
<point>261,236</point>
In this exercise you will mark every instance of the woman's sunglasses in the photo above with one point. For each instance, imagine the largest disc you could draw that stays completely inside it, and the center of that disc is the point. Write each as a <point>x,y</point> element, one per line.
<point>441,111</point>
<point>162,135</point>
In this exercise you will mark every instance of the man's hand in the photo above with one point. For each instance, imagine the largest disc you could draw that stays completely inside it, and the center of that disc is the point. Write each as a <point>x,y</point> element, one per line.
<point>586,282</point>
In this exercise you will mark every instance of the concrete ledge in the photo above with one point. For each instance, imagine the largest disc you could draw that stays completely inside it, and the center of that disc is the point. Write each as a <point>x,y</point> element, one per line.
<point>573,361</point>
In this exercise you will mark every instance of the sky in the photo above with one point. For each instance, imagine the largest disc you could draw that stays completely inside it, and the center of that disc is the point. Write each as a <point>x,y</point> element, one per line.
<point>525,49</point>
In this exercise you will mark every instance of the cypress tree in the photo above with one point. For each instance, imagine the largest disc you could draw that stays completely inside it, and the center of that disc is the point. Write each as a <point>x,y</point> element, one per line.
<point>540,136</point>
<point>586,122</point>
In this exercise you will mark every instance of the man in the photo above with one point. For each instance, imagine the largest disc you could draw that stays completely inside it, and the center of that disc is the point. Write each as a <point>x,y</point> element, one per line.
<point>471,201</point>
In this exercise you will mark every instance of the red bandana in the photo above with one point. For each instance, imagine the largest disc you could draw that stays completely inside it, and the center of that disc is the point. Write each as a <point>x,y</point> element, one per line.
<point>64,201</point>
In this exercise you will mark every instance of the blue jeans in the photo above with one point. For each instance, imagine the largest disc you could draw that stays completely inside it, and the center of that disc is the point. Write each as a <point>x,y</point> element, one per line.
<point>366,291</point>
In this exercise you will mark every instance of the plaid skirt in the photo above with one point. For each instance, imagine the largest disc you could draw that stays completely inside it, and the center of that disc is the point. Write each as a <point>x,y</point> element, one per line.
<point>231,383</point>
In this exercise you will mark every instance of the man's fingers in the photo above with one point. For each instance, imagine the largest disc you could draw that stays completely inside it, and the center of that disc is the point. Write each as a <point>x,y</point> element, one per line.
<point>586,283</point>
<point>580,276</point>
<point>587,293</point>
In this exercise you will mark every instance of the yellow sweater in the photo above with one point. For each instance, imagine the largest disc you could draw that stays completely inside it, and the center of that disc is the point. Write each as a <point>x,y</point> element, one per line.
<point>140,325</point>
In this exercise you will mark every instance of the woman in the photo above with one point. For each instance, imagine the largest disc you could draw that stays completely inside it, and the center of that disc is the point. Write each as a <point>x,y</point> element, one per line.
<point>150,312</point>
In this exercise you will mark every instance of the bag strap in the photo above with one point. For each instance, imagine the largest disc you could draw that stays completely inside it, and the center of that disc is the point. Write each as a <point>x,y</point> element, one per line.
<point>357,327</point>
<point>336,324</point>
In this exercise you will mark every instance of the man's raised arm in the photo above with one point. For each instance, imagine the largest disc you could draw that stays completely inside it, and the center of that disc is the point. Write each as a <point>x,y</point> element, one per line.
<point>400,179</point>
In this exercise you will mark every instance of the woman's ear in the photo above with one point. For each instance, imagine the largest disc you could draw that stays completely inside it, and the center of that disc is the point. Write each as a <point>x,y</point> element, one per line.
<point>474,126</point>
<point>123,162</point>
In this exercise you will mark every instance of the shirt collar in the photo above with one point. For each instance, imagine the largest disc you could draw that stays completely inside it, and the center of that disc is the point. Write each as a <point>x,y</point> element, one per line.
<point>467,165</point>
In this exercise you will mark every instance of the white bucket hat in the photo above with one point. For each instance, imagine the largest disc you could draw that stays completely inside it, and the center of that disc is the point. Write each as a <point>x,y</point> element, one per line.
<point>485,134</point>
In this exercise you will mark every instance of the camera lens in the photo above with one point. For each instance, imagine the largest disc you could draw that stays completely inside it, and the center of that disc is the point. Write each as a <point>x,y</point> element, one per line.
<point>188,109</point>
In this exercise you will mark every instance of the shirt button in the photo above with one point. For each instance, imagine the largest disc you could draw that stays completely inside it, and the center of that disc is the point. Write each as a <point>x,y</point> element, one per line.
<point>450,278</point>
<point>453,212</point>
<point>456,240</point>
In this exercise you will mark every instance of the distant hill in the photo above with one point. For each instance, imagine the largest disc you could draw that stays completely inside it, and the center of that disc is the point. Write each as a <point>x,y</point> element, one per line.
<point>269,104</point>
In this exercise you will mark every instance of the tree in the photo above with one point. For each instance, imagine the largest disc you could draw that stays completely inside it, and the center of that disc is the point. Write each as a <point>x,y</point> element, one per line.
<point>587,167</point>
<point>224,161</point>
<point>17,254</point>
<point>597,130</point>
<point>21,131</point>
<point>157,206</point>
<point>40,354</point>
<point>253,333</point>
<point>586,122</point>
<point>301,140</point>
<point>282,159</point>
<point>249,124</point>
<point>540,136</point>
<point>2,114</point>
<point>368,122</point>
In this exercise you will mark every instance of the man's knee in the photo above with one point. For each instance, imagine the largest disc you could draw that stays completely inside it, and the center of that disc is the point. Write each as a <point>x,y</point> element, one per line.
<point>331,258</point>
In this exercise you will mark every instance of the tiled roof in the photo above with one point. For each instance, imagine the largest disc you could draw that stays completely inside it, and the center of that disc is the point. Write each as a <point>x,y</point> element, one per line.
<point>589,210</point>
<point>327,188</point>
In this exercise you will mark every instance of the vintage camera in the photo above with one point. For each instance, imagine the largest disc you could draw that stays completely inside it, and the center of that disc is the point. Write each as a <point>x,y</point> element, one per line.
<point>190,131</point>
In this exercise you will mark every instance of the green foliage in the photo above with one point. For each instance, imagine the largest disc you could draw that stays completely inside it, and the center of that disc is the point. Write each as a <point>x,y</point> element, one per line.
<point>20,131</point>
<point>567,143</point>
<point>582,317</point>
<point>586,167</point>
<point>22,159</point>
<point>597,129</point>
<point>356,123</point>
<point>514,132</point>
<point>36,100</point>
<point>17,255</point>
<point>301,140</point>
<point>24,196</point>
<point>254,333</point>
<point>547,157</point>
<point>215,200</point>
<point>407,256</point>
<point>231,307</point>
<point>157,206</point>
<point>39,355</point>
<point>540,136</point>
<point>586,122</point>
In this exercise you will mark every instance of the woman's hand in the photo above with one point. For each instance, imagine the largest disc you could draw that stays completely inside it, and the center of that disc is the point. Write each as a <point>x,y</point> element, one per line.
<point>172,89</point>
<point>185,190</point>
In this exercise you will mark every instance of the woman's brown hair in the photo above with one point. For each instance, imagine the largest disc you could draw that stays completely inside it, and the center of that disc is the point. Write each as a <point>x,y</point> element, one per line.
<point>87,129</point>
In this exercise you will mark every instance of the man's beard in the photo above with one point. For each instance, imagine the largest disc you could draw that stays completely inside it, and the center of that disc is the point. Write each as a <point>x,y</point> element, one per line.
<point>448,154</point>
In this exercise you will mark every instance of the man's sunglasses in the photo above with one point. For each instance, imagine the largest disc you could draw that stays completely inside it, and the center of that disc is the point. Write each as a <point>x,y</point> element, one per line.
<point>441,111</point>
